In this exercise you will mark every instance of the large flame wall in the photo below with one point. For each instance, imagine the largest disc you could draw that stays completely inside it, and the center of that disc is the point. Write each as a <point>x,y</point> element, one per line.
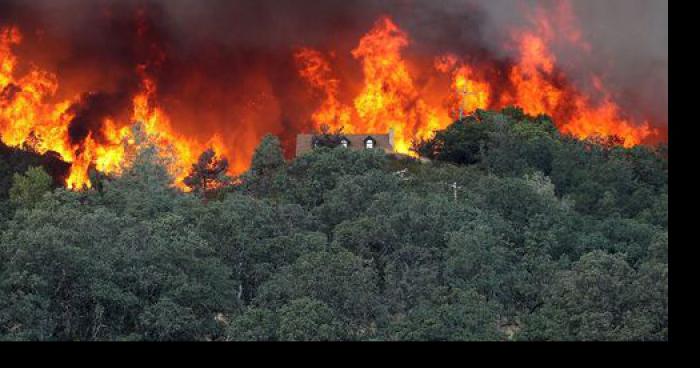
<point>81,103</point>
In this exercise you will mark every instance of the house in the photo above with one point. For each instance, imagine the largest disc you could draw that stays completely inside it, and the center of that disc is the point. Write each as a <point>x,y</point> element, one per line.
<point>385,142</point>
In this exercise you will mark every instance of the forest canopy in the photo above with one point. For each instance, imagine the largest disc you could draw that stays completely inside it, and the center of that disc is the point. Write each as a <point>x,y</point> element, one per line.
<point>512,231</point>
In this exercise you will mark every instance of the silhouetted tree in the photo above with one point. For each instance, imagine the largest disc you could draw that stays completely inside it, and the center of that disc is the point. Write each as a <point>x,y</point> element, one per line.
<point>266,175</point>
<point>208,174</point>
<point>328,138</point>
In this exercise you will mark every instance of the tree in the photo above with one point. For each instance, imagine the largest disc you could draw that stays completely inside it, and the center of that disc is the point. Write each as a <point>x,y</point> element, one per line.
<point>253,237</point>
<point>255,324</point>
<point>50,270</point>
<point>208,174</point>
<point>547,238</point>
<point>463,315</point>
<point>16,160</point>
<point>175,272</point>
<point>460,143</point>
<point>477,257</point>
<point>327,138</point>
<point>350,197</point>
<point>28,189</point>
<point>311,175</point>
<point>335,277</point>
<point>523,146</point>
<point>72,271</point>
<point>412,277</point>
<point>146,188</point>
<point>268,156</point>
<point>598,299</point>
<point>266,175</point>
<point>306,319</point>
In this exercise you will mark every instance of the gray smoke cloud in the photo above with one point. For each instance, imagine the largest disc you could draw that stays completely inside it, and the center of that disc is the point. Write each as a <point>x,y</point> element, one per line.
<point>629,47</point>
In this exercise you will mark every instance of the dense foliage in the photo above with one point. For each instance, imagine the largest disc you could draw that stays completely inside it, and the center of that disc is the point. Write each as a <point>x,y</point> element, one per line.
<point>511,232</point>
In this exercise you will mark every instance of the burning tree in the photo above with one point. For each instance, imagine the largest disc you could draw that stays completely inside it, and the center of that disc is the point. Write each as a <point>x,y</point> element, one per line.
<point>208,174</point>
<point>328,138</point>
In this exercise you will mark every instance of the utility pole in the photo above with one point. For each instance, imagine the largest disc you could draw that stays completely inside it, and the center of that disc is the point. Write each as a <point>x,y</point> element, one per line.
<point>454,187</point>
<point>464,92</point>
<point>401,174</point>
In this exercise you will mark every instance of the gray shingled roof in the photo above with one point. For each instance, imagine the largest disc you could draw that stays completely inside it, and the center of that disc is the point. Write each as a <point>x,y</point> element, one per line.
<point>357,142</point>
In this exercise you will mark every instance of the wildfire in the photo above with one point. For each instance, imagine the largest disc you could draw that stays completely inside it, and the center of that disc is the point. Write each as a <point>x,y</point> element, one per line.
<point>183,151</point>
<point>471,93</point>
<point>390,98</point>
<point>392,95</point>
<point>315,69</point>
<point>28,119</point>
<point>539,90</point>
<point>24,117</point>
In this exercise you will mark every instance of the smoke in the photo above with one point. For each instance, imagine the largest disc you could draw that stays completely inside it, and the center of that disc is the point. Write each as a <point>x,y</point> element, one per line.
<point>629,46</point>
<point>226,67</point>
<point>91,111</point>
<point>630,42</point>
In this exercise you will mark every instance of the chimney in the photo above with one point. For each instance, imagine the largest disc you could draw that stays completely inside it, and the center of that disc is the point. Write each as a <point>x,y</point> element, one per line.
<point>391,138</point>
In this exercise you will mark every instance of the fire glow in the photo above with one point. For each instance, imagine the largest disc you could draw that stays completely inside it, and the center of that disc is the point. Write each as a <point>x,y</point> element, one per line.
<point>392,95</point>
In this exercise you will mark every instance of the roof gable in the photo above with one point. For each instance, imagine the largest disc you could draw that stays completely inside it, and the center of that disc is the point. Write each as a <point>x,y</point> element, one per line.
<point>305,142</point>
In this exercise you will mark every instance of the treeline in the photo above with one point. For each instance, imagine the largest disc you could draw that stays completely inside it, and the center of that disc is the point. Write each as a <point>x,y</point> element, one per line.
<point>513,231</point>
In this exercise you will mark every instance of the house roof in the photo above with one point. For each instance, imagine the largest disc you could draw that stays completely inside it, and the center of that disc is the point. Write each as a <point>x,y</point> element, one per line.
<point>357,141</point>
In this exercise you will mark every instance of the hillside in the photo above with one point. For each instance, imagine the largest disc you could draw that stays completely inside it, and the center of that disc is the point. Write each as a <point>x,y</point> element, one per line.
<point>511,231</point>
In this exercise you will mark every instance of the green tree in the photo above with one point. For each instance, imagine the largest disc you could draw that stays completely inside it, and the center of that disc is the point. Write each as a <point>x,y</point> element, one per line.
<point>598,299</point>
<point>335,277</point>
<point>462,315</point>
<point>268,156</point>
<point>255,324</point>
<point>477,257</point>
<point>208,174</point>
<point>461,142</point>
<point>20,159</point>
<point>413,275</point>
<point>29,188</point>
<point>73,269</point>
<point>311,175</point>
<point>146,188</point>
<point>253,237</point>
<point>352,195</point>
<point>266,174</point>
<point>306,319</point>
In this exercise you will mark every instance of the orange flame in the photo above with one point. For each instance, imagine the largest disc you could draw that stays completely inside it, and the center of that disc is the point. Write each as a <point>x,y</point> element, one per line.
<point>26,118</point>
<point>471,93</point>
<point>393,95</point>
<point>158,129</point>
<point>390,98</point>
<point>575,113</point>
<point>317,71</point>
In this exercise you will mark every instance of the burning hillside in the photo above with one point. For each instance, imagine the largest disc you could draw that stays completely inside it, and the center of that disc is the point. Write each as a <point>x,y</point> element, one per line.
<point>65,91</point>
